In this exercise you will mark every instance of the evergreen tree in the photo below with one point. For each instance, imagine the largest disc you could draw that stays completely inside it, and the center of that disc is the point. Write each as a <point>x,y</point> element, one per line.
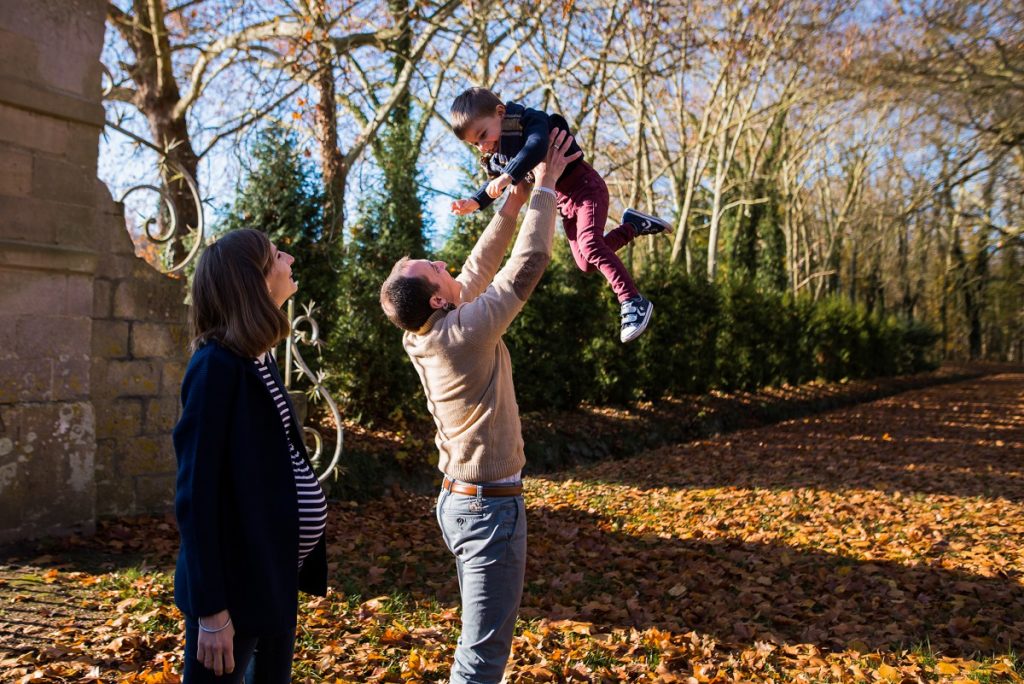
<point>281,196</point>
<point>375,377</point>
<point>755,244</point>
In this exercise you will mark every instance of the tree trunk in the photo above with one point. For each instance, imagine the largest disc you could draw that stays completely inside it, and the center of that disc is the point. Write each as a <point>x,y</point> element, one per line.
<point>325,130</point>
<point>157,96</point>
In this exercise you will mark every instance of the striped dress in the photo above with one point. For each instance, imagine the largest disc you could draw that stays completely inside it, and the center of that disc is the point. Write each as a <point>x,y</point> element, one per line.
<point>312,504</point>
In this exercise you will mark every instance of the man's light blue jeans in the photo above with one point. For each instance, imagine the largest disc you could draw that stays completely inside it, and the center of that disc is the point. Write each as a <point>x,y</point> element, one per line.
<point>487,536</point>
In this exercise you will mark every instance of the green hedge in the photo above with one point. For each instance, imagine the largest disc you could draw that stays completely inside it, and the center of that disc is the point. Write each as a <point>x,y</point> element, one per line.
<point>565,347</point>
<point>565,351</point>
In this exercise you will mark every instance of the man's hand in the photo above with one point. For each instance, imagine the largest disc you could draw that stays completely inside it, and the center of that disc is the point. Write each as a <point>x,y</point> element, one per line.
<point>498,185</point>
<point>464,206</point>
<point>216,649</point>
<point>548,171</point>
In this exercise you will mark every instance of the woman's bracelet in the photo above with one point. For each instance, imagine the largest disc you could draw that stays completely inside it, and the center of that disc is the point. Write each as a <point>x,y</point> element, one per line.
<point>541,188</point>
<point>213,631</point>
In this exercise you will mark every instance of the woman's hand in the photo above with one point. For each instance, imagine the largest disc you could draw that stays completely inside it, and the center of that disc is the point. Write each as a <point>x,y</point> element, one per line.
<point>548,171</point>
<point>216,649</point>
<point>462,207</point>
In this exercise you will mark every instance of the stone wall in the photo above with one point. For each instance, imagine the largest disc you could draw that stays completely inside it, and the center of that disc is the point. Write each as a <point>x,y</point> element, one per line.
<point>138,359</point>
<point>91,337</point>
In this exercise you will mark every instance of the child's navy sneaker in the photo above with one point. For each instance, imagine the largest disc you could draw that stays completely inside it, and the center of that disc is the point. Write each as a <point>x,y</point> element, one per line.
<point>635,314</point>
<point>645,224</point>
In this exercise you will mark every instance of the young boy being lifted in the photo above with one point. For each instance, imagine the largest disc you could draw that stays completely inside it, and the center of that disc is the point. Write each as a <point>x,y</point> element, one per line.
<point>513,139</point>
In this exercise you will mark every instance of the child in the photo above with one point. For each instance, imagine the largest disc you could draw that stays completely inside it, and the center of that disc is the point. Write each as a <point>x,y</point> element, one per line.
<point>514,139</point>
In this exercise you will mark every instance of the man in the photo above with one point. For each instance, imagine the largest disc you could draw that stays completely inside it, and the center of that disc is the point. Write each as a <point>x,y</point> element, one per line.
<point>453,335</point>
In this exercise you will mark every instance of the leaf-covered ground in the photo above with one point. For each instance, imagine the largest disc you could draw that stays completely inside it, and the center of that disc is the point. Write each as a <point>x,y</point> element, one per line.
<point>883,542</point>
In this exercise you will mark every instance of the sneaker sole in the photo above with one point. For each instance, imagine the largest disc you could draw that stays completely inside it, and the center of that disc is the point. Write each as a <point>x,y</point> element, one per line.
<point>666,231</point>
<point>666,226</point>
<point>643,326</point>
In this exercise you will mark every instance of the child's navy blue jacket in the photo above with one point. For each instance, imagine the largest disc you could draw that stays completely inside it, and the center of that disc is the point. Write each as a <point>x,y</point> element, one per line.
<point>236,502</point>
<point>524,144</point>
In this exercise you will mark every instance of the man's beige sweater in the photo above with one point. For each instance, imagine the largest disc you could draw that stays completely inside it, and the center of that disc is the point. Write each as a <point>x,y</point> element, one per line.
<point>461,359</point>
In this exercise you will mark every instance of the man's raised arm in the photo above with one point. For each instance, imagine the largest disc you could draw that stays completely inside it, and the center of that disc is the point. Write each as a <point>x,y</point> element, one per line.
<point>483,262</point>
<point>489,315</point>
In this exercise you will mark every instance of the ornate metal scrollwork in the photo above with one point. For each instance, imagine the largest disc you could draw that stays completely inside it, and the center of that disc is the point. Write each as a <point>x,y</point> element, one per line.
<point>294,360</point>
<point>172,171</point>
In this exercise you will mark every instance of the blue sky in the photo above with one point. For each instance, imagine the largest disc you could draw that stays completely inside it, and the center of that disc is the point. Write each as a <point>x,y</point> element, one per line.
<point>123,164</point>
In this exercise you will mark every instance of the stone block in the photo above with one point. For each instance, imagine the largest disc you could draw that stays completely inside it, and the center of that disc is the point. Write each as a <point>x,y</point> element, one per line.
<point>32,292</point>
<point>120,419</point>
<point>40,256</point>
<point>8,337</point>
<point>105,449</point>
<point>26,380</point>
<point>145,456</point>
<point>161,414</point>
<point>29,219</point>
<point>15,171</point>
<point>172,375</point>
<point>76,225</point>
<point>79,299</point>
<point>114,499</point>
<point>83,146</point>
<point>71,378</point>
<point>155,493</point>
<point>19,55</point>
<point>114,494</point>
<point>33,131</point>
<point>61,181</point>
<point>46,466</point>
<point>110,338</point>
<point>155,298</point>
<point>11,506</point>
<point>133,378</point>
<point>103,300</point>
<point>27,95</point>
<point>70,140</point>
<point>99,388</point>
<point>172,295</point>
<point>53,336</point>
<point>68,38</point>
<point>116,267</point>
<point>129,300</point>
<point>157,339</point>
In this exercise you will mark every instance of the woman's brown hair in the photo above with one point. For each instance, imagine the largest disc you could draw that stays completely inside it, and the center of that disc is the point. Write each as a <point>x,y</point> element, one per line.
<point>230,300</point>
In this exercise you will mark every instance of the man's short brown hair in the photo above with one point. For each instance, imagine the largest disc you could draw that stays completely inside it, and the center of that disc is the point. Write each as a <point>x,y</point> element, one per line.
<point>471,105</point>
<point>406,299</point>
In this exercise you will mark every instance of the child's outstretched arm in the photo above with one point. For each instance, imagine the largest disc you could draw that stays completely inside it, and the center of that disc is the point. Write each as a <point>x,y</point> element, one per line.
<point>533,152</point>
<point>461,207</point>
<point>480,200</point>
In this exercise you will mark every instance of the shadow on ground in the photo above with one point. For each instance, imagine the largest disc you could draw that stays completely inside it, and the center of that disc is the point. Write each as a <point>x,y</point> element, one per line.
<point>584,565</point>
<point>967,441</point>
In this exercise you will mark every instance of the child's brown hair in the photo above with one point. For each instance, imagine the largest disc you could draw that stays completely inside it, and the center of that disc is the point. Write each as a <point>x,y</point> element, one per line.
<point>471,105</point>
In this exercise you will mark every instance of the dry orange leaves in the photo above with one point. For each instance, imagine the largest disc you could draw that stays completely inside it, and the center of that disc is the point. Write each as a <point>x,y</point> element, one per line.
<point>880,543</point>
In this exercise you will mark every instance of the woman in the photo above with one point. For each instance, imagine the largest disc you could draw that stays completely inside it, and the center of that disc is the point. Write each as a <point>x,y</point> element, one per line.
<point>250,511</point>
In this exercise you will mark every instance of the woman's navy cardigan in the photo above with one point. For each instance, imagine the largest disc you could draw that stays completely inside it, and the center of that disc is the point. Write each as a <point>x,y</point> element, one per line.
<point>236,502</point>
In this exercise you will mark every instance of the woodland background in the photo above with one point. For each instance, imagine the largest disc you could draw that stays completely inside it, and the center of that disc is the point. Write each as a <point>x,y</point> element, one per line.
<point>845,177</point>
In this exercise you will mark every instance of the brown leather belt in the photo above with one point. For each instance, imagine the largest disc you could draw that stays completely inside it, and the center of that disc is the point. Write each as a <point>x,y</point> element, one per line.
<point>476,490</point>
